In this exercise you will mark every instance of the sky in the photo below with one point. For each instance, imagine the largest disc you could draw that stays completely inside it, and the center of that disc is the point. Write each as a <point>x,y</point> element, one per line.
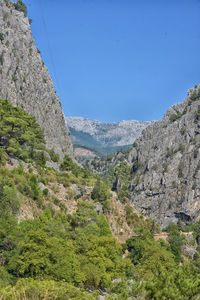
<point>114,60</point>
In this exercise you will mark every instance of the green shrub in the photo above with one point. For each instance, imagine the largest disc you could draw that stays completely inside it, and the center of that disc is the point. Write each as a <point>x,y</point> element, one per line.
<point>32,289</point>
<point>100,192</point>
<point>183,130</point>
<point>20,6</point>
<point>9,200</point>
<point>175,117</point>
<point>195,96</point>
<point>37,194</point>
<point>54,156</point>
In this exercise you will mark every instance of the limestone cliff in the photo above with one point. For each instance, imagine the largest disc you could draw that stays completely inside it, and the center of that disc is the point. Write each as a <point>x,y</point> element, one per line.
<point>25,81</point>
<point>165,163</point>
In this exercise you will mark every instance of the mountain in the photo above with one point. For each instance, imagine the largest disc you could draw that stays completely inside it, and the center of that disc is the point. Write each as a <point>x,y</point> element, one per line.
<point>24,79</point>
<point>64,234</point>
<point>104,137</point>
<point>165,165</point>
<point>62,230</point>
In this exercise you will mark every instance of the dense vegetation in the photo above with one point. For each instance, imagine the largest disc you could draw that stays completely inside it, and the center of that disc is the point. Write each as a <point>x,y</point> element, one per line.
<point>50,252</point>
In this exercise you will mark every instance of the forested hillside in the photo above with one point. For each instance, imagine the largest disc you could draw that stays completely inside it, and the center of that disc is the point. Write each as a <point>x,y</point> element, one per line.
<point>59,236</point>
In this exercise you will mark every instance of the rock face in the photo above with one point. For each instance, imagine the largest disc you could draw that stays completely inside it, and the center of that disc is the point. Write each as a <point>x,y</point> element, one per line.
<point>25,81</point>
<point>98,135</point>
<point>165,163</point>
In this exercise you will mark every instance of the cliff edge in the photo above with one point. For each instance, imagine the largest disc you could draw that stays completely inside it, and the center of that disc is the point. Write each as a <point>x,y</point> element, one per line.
<point>25,81</point>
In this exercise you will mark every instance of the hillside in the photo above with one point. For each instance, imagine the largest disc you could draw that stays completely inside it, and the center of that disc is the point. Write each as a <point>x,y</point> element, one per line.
<point>104,138</point>
<point>24,79</point>
<point>165,164</point>
<point>61,231</point>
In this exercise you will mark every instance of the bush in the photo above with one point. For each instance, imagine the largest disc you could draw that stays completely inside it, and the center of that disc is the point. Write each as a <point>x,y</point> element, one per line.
<point>100,192</point>
<point>20,133</point>
<point>175,117</point>
<point>20,6</point>
<point>54,156</point>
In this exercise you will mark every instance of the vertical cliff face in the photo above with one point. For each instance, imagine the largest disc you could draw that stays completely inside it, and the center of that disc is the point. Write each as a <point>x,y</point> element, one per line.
<point>165,164</point>
<point>25,81</point>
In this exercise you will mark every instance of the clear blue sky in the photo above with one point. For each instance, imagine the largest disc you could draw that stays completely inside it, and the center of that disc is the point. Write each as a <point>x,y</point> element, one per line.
<point>119,59</point>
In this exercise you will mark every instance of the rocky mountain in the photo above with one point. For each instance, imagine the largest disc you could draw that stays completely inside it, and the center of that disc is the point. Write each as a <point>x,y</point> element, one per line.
<point>24,79</point>
<point>104,137</point>
<point>165,164</point>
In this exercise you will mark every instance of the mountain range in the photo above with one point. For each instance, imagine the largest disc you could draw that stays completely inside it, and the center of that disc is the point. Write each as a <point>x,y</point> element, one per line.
<point>104,138</point>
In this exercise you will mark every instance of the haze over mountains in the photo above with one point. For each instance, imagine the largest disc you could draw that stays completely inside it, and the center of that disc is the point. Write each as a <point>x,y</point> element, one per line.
<point>104,137</point>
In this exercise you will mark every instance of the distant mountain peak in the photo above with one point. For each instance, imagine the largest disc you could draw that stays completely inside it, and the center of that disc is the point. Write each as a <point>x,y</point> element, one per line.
<point>100,136</point>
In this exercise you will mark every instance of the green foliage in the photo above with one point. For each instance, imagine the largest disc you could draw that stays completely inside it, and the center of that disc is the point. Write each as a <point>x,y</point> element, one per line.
<point>19,132</point>
<point>170,152</point>
<point>5,278</point>
<point>123,179</point>
<point>59,255</point>
<point>122,171</point>
<point>20,6</point>
<point>138,223</point>
<point>36,192</point>
<point>40,256</point>
<point>33,289</point>
<point>124,194</point>
<point>175,117</point>
<point>177,283</point>
<point>77,249</point>
<point>9,200</point>
<point>181,148</point>
<point>54,156</point>
<point>175,240</point>
<point>3,156</point>
<point>68,165</point>
<point>67,256</point>
<point>195,96</point>
<point>183,130</point>
<point>101,193</point>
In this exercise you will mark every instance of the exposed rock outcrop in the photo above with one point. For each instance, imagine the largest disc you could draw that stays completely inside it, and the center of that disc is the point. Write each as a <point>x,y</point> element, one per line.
<point>165,163</point>
<point>25,81</point>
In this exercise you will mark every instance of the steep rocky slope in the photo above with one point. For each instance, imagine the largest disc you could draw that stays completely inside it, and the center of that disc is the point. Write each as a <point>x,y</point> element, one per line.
<point>25,81</point>
<point>104,137</point>
<point>165,164</point>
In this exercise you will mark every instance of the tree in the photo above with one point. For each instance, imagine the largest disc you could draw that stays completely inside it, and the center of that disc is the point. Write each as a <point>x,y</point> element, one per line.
<point>100,192</point>
<point>20,6</point>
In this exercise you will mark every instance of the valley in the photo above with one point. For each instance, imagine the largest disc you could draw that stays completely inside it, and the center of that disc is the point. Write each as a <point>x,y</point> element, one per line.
<point>123,221</point>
